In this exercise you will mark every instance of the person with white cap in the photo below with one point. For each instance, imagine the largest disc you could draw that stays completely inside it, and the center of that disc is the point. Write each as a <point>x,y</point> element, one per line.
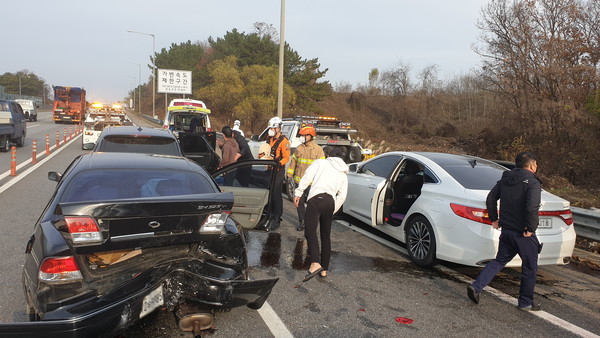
<point>236,127</point>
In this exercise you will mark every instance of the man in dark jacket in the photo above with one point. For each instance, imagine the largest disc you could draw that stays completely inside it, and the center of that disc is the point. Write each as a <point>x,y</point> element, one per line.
<point>519,192</point>
<point>243,174</point>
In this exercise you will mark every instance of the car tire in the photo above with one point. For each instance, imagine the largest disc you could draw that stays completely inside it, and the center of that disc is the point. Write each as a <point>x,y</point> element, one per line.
<point>4,144</point>
<point>354,155</point>
<point>290,186</point>
<point>344,151</point>
<point>20,141</point>
<point>35,118</point>
<point>420,241</point>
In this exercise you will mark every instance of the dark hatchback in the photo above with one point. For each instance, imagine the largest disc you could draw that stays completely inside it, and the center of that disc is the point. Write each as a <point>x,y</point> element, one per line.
<point>199,147</point>
<point>127,233</point>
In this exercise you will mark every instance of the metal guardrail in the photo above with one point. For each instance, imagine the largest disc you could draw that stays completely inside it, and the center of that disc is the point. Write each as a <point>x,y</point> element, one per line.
<point>587,223</point>
<point>152,119</point>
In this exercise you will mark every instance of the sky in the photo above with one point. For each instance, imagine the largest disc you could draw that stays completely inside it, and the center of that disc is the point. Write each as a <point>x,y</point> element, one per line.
<point>85,43</point>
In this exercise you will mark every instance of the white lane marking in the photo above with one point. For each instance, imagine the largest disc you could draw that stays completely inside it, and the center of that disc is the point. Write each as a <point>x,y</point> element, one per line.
<point>550,318</point>
<point>33,125</point>
<point>30,170</point>
<point>277,327</point>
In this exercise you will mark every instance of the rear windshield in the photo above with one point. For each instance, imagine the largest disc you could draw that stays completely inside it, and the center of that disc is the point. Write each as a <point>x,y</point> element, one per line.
<point>140,144</point>
<point>481,176</point>
<point>108,184</point>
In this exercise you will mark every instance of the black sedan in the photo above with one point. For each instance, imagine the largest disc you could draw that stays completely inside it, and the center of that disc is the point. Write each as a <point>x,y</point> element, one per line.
<point>127,233</point>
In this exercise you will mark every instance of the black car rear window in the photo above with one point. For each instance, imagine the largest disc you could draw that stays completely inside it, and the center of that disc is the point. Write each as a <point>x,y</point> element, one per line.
<point>140,144</point>
<point>108,184</point>
<point>476,175</point>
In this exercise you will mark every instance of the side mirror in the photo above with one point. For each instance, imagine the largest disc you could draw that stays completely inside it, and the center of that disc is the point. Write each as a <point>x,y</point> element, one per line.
<point>353,168</point>
<point>54,176</point>
<point>254,138</point>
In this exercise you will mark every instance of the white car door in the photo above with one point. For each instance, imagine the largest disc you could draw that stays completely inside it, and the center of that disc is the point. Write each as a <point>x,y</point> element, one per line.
<point>364,184</point>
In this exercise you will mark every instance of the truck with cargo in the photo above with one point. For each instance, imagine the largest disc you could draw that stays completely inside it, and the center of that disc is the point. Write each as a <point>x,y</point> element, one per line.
<point>69,104</point>
<point>13,125</point>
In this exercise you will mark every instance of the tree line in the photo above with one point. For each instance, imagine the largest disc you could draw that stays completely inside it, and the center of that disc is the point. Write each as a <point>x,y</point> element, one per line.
<point>538,89</point>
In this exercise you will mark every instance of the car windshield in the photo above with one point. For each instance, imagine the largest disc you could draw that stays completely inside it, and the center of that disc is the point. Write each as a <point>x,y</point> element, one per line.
<point>107,184</point>
<point>140,144</point>
<point>475,174</point>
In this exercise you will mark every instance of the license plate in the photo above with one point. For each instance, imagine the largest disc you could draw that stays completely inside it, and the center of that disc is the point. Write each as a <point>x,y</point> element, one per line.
<point>152,301</point>
<point>545,223</point>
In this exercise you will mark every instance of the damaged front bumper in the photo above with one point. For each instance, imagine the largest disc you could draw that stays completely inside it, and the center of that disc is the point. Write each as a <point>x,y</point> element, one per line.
<point>110,314</point>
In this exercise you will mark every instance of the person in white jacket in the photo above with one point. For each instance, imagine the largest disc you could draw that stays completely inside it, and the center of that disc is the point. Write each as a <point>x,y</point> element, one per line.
<point>329,185</point>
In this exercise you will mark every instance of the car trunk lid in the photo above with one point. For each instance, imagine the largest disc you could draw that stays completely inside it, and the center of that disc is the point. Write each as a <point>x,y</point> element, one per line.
<point>147,222</point>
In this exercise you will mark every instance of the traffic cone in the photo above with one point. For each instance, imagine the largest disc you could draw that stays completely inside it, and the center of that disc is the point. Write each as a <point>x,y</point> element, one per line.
<point>65,136</point>
<point>47,144</point>
<point>57,139</point>
<point>34,152</point>
<point>70,133</point>
<point>13,161</point>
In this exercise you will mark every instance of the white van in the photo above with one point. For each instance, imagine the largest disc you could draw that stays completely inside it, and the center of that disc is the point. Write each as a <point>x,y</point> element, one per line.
<point>29,109</point>
<point>187,114</point>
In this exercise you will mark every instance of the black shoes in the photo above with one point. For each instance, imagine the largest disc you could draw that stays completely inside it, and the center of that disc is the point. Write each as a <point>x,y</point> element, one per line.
<point>532,307</point>
<point>473,295</point>
<point>300,226</point>
<point>273,224</point>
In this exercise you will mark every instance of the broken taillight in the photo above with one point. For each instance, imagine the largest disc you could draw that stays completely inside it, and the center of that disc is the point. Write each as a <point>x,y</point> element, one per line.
<point>59,269</point>
<point>474,214</point>
<point>214,222</point>
<point>565,215</point>
<point>83,230</point>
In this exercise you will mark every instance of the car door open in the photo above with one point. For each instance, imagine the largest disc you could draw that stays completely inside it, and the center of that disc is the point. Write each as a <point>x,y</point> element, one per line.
<point>252,183</point>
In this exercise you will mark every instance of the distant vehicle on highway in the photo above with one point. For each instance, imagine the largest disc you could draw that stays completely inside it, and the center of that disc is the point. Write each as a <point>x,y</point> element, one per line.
<point>69,104</point>
<point>13,126</point>
<point>187,115</point>
<point>133,139</point>
<point>125,234</point>
<point>435,203</point>
<point>96,121</point>
<point>29,109</point>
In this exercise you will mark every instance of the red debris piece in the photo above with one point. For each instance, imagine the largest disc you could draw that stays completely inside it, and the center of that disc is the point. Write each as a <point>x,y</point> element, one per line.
<point>403,320</point>
<point>296,286</point>
<point>425,293</point>
<point>362,310</point>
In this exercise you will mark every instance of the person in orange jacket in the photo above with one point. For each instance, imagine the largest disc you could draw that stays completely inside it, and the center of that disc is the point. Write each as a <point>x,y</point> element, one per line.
<point>280,152</point>
<point>306,153</point>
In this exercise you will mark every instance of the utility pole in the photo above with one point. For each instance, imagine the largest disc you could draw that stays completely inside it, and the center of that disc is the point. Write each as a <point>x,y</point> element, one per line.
<point>281,52</point>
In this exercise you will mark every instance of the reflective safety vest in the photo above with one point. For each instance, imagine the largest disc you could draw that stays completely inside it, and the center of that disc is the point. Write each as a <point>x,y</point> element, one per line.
<point>303,157</point>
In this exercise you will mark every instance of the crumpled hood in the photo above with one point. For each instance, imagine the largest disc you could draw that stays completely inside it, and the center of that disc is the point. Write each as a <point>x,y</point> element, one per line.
<point>516,176</point>
<point>338,164</point>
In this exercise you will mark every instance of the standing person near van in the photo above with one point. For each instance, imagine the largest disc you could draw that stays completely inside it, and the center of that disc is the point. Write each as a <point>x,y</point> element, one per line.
<point>243,174</point>
<point>306,153</point>
<point>327,194</point>
<point>280,152</point>
<point>231,153</point>
<point>236,127</point>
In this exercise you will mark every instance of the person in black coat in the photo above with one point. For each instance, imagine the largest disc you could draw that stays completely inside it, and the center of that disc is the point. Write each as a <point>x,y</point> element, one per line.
<point>243,174</point>
<point>519,192</point>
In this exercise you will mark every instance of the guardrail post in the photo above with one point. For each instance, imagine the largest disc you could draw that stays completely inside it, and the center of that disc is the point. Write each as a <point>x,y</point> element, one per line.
<point>34,152</point>
<point>65,135</point>
<point>57,139</point>
<point>47,144</point>
<point>13,161</point>
<point>70,132</point>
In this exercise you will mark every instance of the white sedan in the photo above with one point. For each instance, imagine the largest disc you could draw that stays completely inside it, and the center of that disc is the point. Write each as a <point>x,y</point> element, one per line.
<point>435,204</point>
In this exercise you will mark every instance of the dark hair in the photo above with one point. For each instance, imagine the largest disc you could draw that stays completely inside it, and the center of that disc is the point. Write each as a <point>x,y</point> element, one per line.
<point>227,131</point>
<point>335,152</point>
<point>524,159</point>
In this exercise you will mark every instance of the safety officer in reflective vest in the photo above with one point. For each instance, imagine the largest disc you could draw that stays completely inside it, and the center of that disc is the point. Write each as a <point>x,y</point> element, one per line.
<point>303,157</point>
<point>280,152</point>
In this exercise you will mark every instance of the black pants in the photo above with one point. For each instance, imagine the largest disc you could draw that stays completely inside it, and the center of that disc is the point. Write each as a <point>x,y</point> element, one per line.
<point>513,243</point>
<point>277,198</point>
<point>319,212</point>
<point>301,207</point>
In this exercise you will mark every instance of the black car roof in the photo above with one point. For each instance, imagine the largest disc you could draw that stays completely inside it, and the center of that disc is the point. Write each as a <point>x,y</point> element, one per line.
<point>137,130</point>
<point>101,160</point>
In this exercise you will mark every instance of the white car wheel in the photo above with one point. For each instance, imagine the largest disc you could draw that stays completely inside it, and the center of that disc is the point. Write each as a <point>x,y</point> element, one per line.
<point>420,241</point>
